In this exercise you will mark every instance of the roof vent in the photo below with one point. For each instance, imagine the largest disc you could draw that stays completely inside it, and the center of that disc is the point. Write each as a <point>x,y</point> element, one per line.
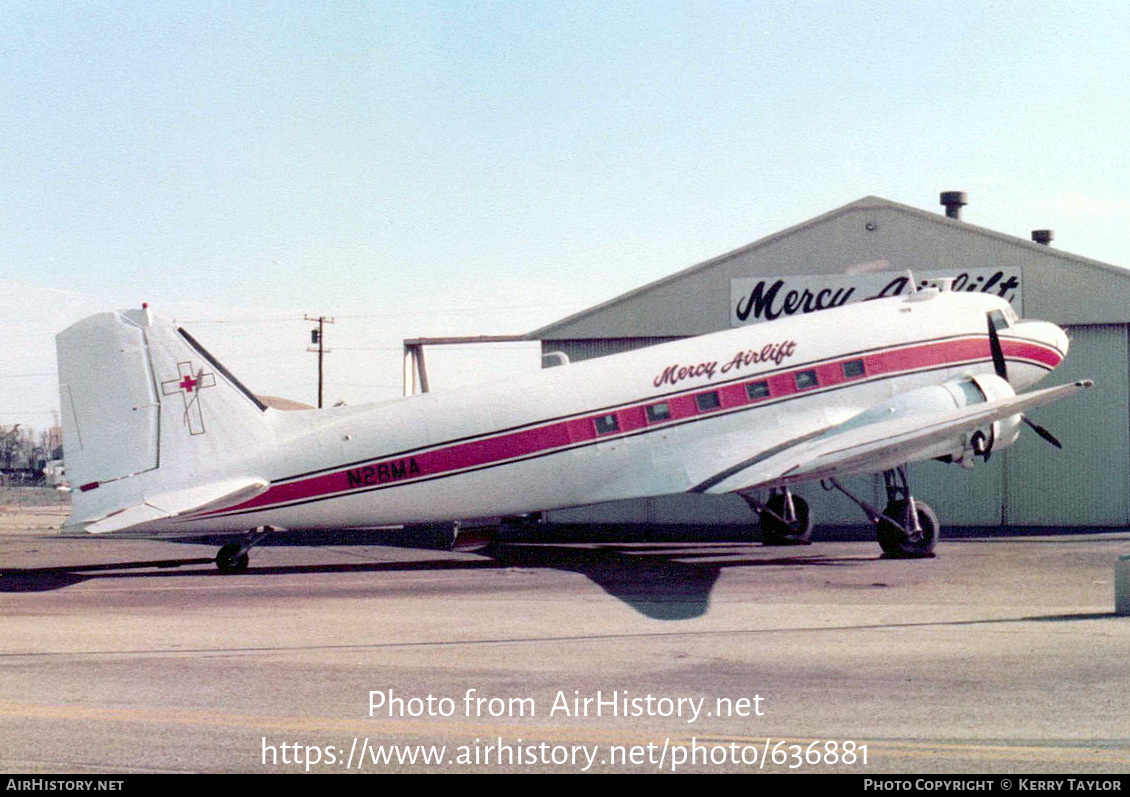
<point>1044,237</point>
<point>954,202</point>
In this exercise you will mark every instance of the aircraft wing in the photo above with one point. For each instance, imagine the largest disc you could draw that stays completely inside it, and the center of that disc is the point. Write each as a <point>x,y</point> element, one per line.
<point>168,505</point>
<point>849,448</point>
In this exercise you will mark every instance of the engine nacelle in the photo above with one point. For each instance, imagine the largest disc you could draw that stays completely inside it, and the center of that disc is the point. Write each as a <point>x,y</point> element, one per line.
<point>997,435</point>
<point>938,400</point>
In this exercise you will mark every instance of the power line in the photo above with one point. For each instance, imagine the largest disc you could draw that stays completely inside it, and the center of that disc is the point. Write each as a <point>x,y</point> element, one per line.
<point>477,309</point>
<point>240,320</point>
<point>365,384</point>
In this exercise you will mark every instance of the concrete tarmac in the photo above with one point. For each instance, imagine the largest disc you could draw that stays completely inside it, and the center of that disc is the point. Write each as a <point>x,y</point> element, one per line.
<point>1000,655</point>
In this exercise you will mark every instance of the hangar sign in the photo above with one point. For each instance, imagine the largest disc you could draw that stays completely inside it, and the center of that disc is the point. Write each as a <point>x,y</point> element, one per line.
<point>755,299</point>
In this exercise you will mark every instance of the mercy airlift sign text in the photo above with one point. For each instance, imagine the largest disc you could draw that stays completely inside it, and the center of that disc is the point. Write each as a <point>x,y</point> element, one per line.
<point>755,299</point>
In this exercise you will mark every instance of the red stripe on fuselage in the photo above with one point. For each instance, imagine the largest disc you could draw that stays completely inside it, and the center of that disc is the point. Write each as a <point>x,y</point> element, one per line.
<point>494,448</point>
<point>1046,356</point>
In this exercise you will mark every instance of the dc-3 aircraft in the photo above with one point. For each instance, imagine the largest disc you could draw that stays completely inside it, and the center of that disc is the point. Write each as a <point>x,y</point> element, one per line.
<point>161,439</point>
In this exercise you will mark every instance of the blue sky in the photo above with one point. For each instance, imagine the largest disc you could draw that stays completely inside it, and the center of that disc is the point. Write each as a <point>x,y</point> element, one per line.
<point>463,168</point>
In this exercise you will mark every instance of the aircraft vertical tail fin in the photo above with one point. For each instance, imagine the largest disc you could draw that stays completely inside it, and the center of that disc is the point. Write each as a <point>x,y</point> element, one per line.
<point>146,412</point>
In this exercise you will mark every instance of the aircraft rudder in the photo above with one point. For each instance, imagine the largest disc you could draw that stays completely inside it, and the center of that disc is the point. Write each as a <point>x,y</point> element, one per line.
<point>146,409</point>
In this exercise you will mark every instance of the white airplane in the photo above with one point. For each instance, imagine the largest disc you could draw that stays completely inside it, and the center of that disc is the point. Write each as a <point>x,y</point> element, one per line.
<point>159,438</point>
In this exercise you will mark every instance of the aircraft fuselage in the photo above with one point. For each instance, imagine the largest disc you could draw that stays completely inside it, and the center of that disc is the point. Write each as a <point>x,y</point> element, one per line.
<point>654,421</point>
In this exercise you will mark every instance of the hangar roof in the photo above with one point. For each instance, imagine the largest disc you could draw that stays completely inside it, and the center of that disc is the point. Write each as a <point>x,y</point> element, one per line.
<point>874,234</point>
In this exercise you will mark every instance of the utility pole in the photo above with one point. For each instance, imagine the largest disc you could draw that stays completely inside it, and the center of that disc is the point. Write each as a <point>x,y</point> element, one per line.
<point>317,336</point>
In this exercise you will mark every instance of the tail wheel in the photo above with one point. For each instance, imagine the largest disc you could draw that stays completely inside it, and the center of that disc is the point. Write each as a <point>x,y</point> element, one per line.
<point>777,531</point>
<point>901,543</point>
<point>229,560</point>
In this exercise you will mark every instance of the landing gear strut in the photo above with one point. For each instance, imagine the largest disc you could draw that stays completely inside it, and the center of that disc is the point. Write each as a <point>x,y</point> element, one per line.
<point>907,529</point>
<point>232,558</point>
<point>785,518</point>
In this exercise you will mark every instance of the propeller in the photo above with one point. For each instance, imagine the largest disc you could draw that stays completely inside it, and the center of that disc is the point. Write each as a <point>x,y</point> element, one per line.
<point>1041,431</point>
<point>1001,368</point>
<point>998,353</point>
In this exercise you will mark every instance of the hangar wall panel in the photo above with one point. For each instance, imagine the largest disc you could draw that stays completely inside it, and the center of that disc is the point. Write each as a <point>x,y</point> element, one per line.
<point>831,508</point>
<point>1086,483</point>
<point>961,497</point>
<point>710,510</point>
<point>578,350</point>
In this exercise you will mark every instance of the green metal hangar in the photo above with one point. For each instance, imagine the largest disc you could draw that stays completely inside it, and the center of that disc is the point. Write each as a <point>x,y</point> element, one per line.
<point>864,249</point>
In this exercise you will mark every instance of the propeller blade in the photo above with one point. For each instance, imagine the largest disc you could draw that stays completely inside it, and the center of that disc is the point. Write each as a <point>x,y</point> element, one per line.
<point>998,353</point>
<point>1042,432</point>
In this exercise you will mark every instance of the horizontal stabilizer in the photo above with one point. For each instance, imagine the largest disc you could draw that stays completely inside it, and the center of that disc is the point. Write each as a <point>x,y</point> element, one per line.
<point>180,502</point>
<point>873,447</point>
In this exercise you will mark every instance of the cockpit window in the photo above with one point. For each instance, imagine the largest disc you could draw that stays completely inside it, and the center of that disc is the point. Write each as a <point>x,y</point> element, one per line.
<point>999,320</point>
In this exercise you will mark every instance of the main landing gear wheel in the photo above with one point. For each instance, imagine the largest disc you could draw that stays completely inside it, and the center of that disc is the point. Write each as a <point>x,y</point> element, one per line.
<point>232,558</point>
<point>903,534</point>
<point>229,560</point>
<point>908,543</point>
<point>776,526</point>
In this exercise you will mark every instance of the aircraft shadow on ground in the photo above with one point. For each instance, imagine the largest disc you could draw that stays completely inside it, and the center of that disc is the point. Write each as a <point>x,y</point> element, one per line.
<point>663,580</point>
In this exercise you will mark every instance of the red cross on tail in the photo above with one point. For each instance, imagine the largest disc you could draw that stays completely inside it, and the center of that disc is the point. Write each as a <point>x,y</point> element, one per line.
<point>189,386</point>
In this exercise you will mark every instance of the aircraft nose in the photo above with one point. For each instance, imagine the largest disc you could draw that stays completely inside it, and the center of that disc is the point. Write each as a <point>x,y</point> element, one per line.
<point>1061,342</point>
<point>1051,336</point>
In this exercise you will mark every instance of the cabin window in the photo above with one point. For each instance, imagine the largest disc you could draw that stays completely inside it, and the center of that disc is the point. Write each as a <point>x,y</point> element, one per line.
<point>757,390</point>
<point>853,369</point>
<point>658,412</point>
<point>806,380</point>
<point>607,424</point>
<point>707,401</point>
